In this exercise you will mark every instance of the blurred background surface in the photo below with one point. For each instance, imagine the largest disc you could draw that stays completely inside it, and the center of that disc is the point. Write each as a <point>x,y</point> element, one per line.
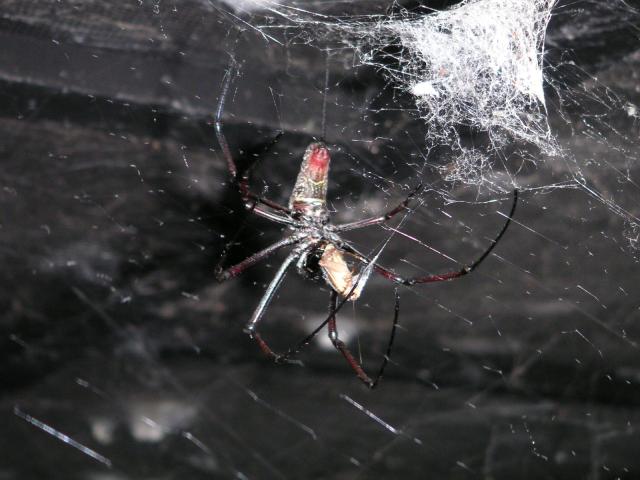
<point>122,357</point>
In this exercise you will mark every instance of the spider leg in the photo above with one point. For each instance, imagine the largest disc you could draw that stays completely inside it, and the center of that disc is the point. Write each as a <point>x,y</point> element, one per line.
<point>252,199</point>
<point>367,222</point>
<point>389,275</point>
<point>392,336</point>
<point>235,270</point>
<point>345,298</point>
<point>266,299</point>
<point>222,140</point>
<point>342,348</point>
<point>339,344</point>
<point>252,207</point>
<point>243,183</point>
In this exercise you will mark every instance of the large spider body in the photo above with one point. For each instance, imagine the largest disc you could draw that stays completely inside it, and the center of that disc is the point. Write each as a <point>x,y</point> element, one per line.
<point>318,249</point>
<point>320,254</point>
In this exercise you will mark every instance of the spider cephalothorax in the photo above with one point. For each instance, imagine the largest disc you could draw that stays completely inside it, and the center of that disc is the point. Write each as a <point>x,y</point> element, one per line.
<point>318,249</point>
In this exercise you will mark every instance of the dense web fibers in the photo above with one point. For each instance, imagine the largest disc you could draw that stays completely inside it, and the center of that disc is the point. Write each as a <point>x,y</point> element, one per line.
<point>478,65</point>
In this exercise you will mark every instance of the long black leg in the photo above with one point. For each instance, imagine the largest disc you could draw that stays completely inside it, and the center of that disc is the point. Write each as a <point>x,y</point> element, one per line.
<point>441,277</point>
<point>392,336</point>
<point>243,183</point>
<point>239,268</point>
<point>367,222</point>
<point>342,348</point>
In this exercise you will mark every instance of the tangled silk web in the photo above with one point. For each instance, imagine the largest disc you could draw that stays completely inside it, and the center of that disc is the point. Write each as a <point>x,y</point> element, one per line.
<point>476,71</point>
<point>477,65</point>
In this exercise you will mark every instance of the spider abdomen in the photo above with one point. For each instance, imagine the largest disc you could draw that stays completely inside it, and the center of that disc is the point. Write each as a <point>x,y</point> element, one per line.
<point>309,196</point>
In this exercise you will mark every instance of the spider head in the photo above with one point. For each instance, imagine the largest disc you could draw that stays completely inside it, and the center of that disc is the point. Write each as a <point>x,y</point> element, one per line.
<point>309,197</point>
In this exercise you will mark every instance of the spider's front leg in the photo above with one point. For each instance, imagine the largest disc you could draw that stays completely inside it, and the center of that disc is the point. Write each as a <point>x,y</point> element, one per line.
<point>249,198</point>
<point>235,270</point>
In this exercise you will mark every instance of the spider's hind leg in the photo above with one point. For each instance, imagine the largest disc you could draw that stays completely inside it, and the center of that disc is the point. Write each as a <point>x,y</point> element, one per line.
<point>340,346</point>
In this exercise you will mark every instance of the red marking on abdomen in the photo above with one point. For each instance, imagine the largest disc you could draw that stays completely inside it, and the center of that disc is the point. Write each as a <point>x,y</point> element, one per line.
<point>319,162</point>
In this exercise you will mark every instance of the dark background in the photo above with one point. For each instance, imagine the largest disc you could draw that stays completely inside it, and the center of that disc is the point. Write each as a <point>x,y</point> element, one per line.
<point>115,207</point>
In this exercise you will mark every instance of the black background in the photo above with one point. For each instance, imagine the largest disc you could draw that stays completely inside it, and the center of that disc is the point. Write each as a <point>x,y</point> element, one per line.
<point>115,207</point>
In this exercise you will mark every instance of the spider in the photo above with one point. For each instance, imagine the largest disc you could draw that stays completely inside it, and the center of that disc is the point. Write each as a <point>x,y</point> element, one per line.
<point>318,249</point>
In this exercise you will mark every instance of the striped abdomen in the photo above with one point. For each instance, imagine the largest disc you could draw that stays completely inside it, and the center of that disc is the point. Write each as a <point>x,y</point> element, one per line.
<point>309,196</point>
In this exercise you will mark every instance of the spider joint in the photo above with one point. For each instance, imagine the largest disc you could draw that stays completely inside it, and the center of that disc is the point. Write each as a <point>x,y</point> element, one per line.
<point>286,359</point>
<point>250,330</point>
<point>222,275</point>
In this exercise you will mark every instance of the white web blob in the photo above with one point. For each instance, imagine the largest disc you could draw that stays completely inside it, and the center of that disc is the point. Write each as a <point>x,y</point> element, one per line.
<point>477,65</point>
